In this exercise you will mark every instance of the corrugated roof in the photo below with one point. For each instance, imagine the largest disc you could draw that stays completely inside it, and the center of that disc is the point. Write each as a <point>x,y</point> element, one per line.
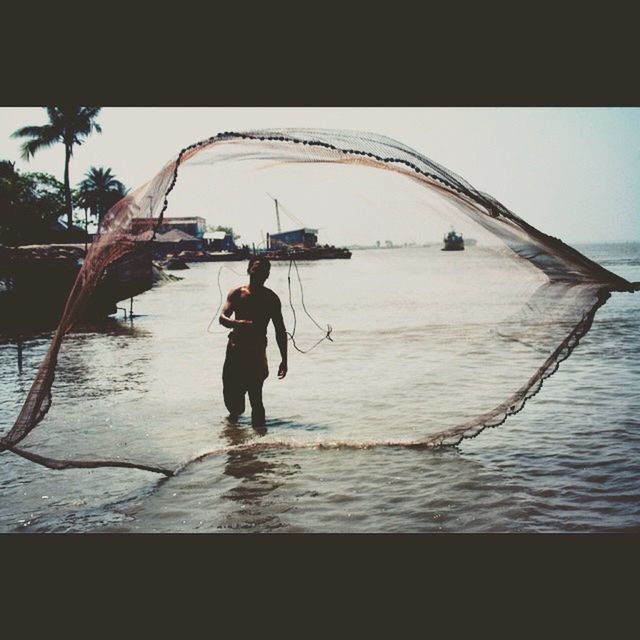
<point>303,230</point>
<point>175,235</point>
<point>215,235</point>
<point>183,220</point>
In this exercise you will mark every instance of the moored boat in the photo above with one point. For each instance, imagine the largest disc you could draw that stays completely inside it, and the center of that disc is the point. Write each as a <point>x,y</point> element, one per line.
<point>453,242</point>
<point>300,244</point>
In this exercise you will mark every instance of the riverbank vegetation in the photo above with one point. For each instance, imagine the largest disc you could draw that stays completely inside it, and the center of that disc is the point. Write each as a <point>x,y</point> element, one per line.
<point>36,207</point>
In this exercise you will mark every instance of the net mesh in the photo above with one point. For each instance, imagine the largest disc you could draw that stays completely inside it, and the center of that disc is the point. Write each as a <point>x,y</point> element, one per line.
<point>544,309</point>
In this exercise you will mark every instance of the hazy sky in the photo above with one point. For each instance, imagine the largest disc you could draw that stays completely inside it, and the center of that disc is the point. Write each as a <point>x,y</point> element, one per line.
<point>572,173</point>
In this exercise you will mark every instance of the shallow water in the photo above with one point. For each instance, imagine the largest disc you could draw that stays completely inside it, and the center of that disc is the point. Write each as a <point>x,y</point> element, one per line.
<point>150,389</point>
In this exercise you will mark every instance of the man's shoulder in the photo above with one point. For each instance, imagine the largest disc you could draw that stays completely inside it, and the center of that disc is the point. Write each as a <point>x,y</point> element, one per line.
<point>272,295</point>
<point>235,291</point>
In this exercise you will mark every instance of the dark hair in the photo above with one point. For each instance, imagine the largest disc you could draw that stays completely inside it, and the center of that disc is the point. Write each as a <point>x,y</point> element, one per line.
<point>263,259</point>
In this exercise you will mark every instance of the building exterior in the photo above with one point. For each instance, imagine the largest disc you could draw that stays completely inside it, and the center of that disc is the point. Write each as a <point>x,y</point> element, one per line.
<point>305,237</point>
<point>175,241</point>
<point>219,241</point>
<point>194,226</point>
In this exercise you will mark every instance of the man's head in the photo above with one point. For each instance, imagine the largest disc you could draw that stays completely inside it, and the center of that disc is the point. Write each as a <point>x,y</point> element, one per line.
<point>259,268</point>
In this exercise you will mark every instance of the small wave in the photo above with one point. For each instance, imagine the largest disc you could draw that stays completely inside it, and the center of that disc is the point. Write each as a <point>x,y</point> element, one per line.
<point>316,445</point>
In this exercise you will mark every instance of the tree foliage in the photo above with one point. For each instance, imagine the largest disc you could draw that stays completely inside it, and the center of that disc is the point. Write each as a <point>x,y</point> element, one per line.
<point>99,191</point>
<point>67,125</point>
<point>29,204</point>
<point>228,230</point>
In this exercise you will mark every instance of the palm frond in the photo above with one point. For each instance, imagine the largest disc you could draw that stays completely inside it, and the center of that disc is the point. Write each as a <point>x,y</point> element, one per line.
<point>53,113</point>
<point>90,113</point>
<point>31,147</point>
<point>29,132</point>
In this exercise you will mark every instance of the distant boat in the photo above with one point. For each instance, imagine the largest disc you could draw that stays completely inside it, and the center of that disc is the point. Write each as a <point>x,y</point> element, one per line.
<point>453,242</point>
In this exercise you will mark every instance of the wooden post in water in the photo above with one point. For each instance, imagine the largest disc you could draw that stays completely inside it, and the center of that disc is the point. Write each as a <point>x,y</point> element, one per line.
<point>19,345</point>
<point>86,231</point>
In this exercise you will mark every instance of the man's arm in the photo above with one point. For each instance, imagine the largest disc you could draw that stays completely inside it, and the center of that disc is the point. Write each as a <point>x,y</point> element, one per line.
<point>281,336</point>
<point>227,310</point>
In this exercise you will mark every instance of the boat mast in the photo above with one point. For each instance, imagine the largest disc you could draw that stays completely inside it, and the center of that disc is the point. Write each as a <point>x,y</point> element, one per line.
<point>277,215</point>
<point>277,212</point>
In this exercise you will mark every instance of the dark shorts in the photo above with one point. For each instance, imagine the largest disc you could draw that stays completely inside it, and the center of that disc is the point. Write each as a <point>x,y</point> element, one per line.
<point>246,362</point>
<point>245,370</point>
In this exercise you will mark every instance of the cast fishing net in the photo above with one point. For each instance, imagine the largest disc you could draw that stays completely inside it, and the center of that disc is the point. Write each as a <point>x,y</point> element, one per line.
<point>430,347</point>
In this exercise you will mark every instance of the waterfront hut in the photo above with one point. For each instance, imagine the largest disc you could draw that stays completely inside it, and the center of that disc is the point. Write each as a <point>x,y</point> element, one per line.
<point>174,242</point>
<point>219,241</point>
<point>193,226</point>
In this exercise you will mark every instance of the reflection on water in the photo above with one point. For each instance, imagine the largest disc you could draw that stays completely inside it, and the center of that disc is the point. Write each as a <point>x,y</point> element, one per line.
<point>259,474</point>
<point>236,434</point>
<point>105,327</point>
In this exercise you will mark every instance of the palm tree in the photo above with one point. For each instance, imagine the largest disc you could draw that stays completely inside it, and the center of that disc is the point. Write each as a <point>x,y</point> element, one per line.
<point>69,125</point>
<point>99,191</point>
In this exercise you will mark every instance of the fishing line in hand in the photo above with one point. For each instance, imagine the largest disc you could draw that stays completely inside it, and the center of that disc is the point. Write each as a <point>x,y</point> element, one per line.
<point>217,313</point>
<point>291,335</point>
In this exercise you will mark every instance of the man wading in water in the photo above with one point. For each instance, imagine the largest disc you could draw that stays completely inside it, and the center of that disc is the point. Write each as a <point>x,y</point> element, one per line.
<point>245,367</point>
